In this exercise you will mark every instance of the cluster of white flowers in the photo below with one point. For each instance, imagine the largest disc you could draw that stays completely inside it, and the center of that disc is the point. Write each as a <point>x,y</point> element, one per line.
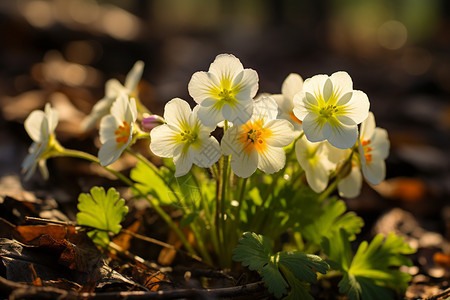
<point>321,113</point>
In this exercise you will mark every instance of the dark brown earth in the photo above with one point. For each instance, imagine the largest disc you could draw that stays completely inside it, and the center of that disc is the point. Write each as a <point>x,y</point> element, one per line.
<point>63,52</point>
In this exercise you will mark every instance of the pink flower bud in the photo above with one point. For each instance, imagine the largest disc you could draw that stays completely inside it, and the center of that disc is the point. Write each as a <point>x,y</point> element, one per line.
<point>150,122</point>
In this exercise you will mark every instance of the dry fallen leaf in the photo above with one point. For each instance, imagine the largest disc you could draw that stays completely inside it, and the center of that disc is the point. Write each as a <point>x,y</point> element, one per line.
<point>403,189</point>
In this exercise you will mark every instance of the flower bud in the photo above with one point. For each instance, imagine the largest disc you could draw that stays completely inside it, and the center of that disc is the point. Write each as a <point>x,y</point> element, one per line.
<point>151,121</point>
<point>344,168</point>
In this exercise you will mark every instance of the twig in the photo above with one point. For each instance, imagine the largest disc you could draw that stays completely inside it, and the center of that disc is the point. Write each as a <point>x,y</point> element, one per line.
<point>22,290</point>
<point>440,295</point>
<point>136,235</point>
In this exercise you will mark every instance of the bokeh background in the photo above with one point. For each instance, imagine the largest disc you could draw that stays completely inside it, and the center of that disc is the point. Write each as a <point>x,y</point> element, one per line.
<point>397,51</point>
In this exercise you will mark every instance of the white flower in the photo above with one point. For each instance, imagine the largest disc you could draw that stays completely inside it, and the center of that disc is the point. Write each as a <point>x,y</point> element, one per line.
<point>350,185</point>
<point>291,85</point>
<point>330,109</point>
<point>184,138</point>
<point>314,160</point>
<point>258,143</point>
<point>114,89</point>
<point>116,129</point>
<point>40,126</point>
<point>373,148</point>
<point>225,92</point>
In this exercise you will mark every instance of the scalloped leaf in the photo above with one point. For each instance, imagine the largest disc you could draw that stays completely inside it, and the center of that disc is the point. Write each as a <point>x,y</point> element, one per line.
<point>103,211</point>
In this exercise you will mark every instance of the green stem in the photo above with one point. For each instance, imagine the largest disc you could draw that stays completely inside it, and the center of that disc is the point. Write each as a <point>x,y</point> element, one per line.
<point>159,210</point>
<point>221,205</point>
<point>258,218</point>
<point>208,215</point>
<point>328,191</point>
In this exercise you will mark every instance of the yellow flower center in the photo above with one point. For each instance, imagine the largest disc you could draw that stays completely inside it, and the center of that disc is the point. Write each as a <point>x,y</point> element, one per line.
<point>367,150</point>
<point>226,95</point>
<point>122,133</point>
<point>188,136</point>
<point>328,111</point>
<point>254,137</point>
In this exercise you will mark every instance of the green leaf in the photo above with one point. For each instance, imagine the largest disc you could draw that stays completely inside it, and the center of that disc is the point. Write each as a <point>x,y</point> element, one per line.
<point>103,211</point>
<point>329,218</point>
<point>150,182</point>
<point>373,273</point>
<point>299,289</point>
<point>296,262</point>
<point>254,251</point>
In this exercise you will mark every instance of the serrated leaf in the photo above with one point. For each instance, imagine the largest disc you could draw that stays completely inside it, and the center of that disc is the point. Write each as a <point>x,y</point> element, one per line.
<point>328,220</point>
<point>274,280</point>
<point>298,289</point>
<point>337,248</point>
<point>372,273</point>
<point>254,251</point>
<point>104,211</point>
<point>302,265</point>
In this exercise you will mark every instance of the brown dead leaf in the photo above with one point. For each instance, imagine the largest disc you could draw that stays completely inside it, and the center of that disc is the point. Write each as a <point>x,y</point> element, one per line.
<point>167,255</point>
<point>442,259</point>
<point>73,249</point>
<point>30,234</point>
<point>36,280</point>
<point>151,279</point>
<point>123,239</point>
<point>403,189</point>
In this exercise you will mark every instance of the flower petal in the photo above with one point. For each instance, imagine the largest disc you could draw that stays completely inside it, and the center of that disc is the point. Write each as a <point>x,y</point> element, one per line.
<point>183,163</point>
<point>315,85</point>
<point>202,86</point>
<point>342,82</point>
<point>108,125</point>
<point>375,171</point>
<point>357,108</point>
<point>380,144</point>
<point>177,112</point>
<point>120,107</point>
<point>367,128</point>
<point>109,152</point>
<point>291,86</point>
<point>52,117</point>
<point>282,133</point>
<point>300,106</point>
<point>100,109</point>
<point>271,160</point>
<point>114,88</point>
<point>343,136</point>
<point>314,131</point>
<point>134,76</point>
<point>33,125</point>
<point>208,154</point>
<point>265,108</point>
<point>243,164</point>
<point>242,112</point>
<point>226,67</point>
<point>327,89</point>
<point>350,186</point>
<point>210,116</point>
<point>164,141</point>
<point>247,84</point>
<point>317,176</point>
